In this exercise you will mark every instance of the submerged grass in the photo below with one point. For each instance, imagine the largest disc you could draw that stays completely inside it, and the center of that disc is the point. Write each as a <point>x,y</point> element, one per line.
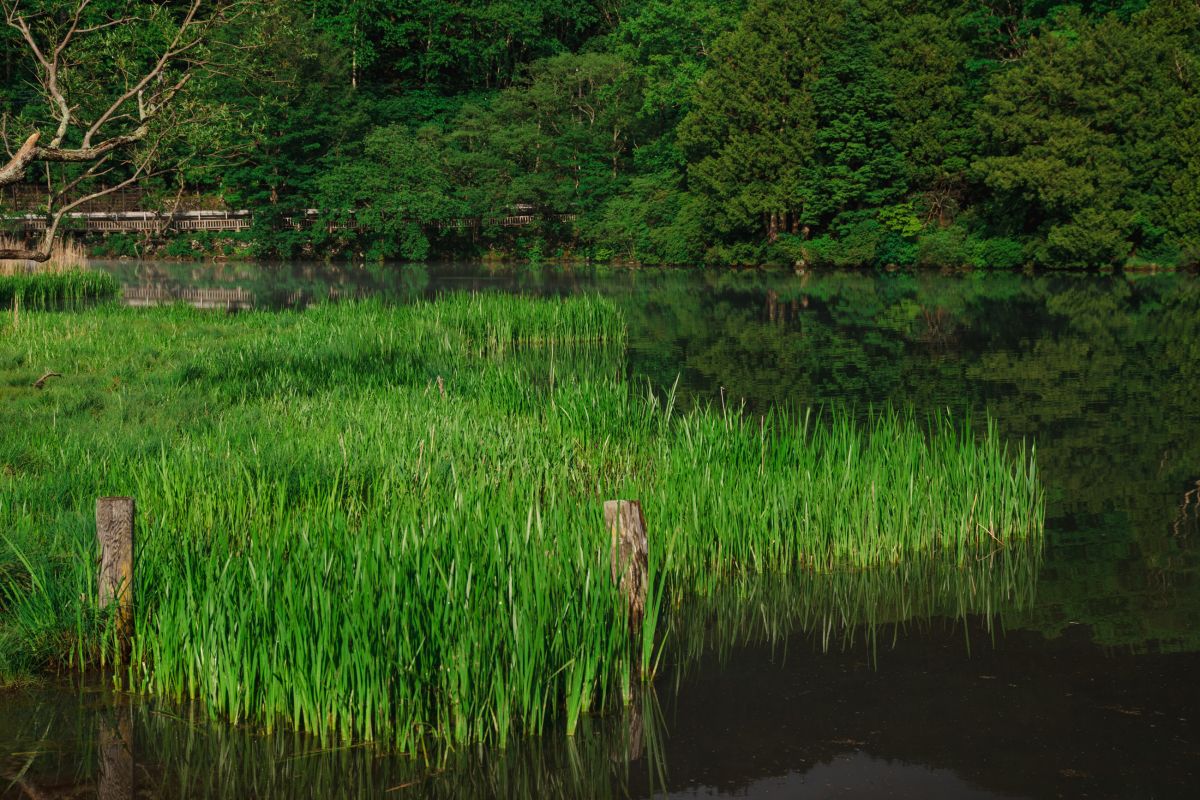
<point>386,522</point>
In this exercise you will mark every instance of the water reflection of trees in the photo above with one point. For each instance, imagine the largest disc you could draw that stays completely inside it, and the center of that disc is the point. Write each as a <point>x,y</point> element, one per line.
<point>1101,371</point>
<point>280,286</point>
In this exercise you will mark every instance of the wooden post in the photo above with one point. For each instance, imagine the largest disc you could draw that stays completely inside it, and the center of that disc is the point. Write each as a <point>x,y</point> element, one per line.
<point>628,556</point>
<point>114,529</point>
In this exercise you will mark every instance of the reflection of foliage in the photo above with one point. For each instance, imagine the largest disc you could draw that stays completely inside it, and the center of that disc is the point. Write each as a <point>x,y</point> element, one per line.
<point>1101,371</point>
<point>835,609</point>
<point>182,752</point>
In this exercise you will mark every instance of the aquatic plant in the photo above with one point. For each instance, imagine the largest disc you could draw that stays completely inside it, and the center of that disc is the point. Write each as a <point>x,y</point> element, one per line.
<point>49,289</point>
<point>386,523</point>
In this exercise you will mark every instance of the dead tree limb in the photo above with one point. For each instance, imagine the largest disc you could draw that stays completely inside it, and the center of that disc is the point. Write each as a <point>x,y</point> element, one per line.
<point>113,132</point>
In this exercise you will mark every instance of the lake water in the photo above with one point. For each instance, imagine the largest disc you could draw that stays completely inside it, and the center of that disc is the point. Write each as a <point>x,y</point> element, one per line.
<point>1070,673</point>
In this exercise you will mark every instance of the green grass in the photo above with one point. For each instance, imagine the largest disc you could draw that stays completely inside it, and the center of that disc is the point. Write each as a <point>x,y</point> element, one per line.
<point>50,289</point>
<point>387,522</point>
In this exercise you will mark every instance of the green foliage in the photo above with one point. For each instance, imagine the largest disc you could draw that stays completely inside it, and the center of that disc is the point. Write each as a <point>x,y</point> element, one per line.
<point>196,245</point>
<point>118,245</point>
<point>857,239</point>
<point>924,63</point>
<point>653,221</point>
<point>390,196</point>
<point>998,253</point>
<point>858,165</point>
<point>750,138</point>
<point>902,219</point>
<point>943,247</point>
<point>667,43</point>
<point>1070,150</point>
<point>557,141</point>
<point>432,44</point>
<point>686,131</point>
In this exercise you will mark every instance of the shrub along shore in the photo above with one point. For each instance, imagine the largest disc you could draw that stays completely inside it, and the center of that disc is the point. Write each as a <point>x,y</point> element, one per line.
<point>385,522</point>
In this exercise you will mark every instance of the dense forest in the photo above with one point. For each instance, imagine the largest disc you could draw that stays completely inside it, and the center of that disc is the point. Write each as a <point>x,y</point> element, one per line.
<point>994,133</point>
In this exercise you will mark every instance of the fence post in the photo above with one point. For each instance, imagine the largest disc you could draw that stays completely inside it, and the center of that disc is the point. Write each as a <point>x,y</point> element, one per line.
<point>114,530</point>
<point>629,548</point>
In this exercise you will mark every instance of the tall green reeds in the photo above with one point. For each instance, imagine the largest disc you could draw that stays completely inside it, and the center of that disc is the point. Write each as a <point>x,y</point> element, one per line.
<point>50,289</point>
<point>386,522</point>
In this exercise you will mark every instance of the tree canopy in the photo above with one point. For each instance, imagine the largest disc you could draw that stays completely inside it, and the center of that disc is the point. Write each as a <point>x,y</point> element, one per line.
<point>994,133</point>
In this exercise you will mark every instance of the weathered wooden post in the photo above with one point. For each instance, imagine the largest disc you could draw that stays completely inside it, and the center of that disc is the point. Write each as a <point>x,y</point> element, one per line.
<point>114,529</point>
<point>628,556</point>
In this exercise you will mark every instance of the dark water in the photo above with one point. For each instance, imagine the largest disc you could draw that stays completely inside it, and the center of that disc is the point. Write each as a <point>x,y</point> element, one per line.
<point>1070,673</point>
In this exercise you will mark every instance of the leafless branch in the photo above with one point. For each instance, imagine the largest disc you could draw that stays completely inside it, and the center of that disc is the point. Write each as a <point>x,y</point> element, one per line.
<point>150,92</point>
<point>55,216</point>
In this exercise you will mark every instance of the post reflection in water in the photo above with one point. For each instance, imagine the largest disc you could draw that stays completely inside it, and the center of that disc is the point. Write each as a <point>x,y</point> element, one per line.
<point>116,781</point>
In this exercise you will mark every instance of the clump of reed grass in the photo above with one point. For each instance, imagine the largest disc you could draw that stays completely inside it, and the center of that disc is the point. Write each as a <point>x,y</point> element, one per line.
<point>50,289</point>
<point>386,523</point>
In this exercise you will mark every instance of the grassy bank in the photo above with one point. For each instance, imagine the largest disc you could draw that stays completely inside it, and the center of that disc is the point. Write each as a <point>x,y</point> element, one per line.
<point>386,522</point>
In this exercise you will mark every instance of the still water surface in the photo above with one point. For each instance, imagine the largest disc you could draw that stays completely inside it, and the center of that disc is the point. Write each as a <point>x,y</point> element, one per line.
<point>1070,673</point>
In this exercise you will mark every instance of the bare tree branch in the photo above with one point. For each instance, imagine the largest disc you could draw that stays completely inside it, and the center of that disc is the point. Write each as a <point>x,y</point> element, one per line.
<point>148,92</point>
<point>106,119</point>
<point>55,216</point>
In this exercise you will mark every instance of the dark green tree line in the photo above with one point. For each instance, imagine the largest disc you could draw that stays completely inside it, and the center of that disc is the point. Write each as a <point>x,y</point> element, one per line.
<point>992,133</point>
